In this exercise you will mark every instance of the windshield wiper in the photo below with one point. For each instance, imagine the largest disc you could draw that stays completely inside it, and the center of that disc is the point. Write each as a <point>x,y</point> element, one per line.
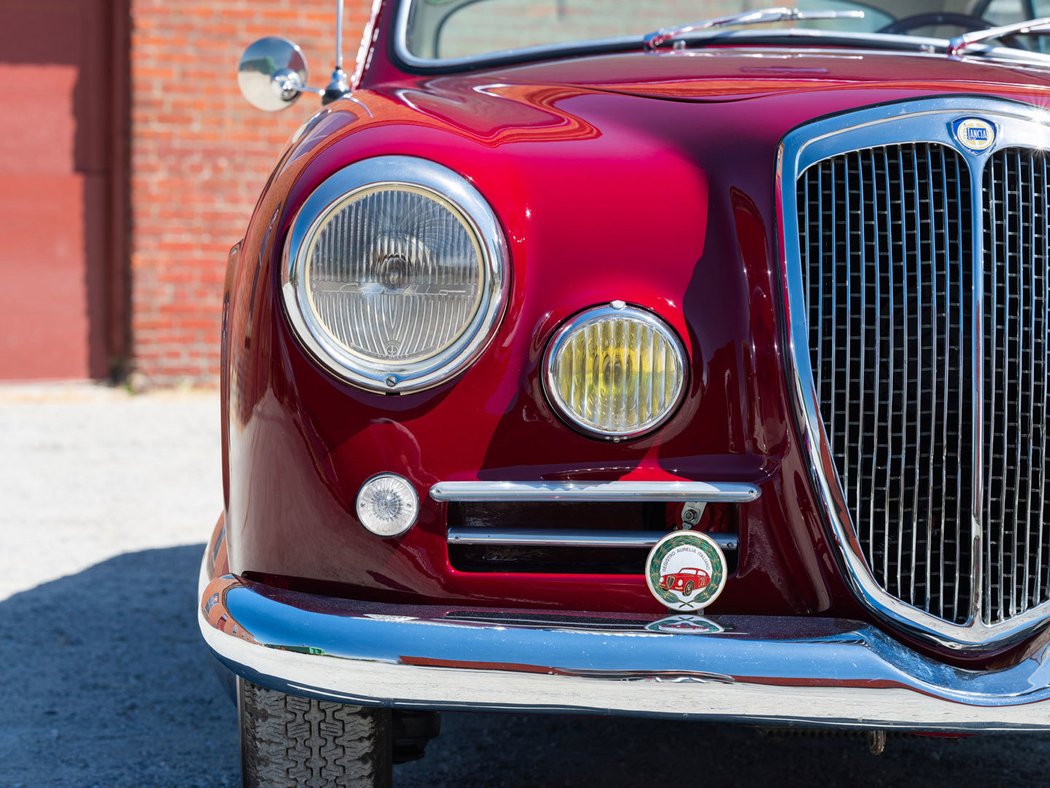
<point>959,43</point>
<point>763,16</point>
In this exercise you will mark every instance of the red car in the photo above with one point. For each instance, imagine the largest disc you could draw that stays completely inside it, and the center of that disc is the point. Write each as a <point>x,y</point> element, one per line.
<point>685,580</point>
<point>545,286</point>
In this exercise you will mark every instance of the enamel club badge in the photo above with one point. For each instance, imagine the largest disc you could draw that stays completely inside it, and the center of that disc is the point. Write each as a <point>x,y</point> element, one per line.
<point>686,570</point>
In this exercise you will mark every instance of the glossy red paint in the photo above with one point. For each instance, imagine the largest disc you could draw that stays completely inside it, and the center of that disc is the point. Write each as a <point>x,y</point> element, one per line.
<point>606,190</point>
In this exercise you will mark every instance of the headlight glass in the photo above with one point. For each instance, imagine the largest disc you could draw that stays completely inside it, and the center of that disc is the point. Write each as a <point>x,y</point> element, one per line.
<point>395,277</point>
<point>617,372</point>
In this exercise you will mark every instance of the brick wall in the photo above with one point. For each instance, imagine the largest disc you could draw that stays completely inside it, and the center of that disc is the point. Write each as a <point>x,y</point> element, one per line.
<point>199,156</point>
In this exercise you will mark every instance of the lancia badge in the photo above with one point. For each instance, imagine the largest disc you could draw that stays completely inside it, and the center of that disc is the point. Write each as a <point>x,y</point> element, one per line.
<point>975,134</point>
<point>686,570</point>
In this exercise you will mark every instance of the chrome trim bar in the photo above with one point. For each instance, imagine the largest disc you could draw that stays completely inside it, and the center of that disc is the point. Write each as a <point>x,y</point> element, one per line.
<point>604,492</point>
<point>668,35</point>
<point>768,670</point>
<point>557,537</point>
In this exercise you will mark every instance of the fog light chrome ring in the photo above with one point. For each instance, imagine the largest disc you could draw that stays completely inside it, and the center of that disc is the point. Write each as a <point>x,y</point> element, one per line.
<point>648,330</point>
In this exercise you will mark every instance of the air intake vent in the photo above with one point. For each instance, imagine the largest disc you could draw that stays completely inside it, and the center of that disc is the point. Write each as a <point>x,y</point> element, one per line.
<point>920,267</point>
<point>888,266</point>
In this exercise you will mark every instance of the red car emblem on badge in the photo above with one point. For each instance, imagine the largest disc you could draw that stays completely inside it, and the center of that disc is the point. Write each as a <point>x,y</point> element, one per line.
<point>686,580</point>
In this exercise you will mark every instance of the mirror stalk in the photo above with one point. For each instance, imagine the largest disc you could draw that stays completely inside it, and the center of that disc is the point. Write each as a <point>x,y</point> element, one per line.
<point>338,86</point>
<point>272,73</point>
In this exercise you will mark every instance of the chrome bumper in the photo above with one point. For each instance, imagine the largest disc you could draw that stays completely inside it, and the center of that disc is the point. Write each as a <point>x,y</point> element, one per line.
<point>759,670</point>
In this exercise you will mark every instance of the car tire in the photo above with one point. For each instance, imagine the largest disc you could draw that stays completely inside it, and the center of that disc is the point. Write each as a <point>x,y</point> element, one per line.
<point>689,587</point>
<point>291,741</point>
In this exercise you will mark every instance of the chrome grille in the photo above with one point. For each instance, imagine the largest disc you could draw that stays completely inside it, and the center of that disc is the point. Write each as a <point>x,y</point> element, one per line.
<point>917,313</point>
<point>1015,311</point>
<point>885,237</point>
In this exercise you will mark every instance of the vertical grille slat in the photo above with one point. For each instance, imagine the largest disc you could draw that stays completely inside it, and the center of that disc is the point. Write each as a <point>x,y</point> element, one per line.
<point>890,355</point>
<point>913,360</point>
<point>1043,591</point>
<point>886,239</point>
<point>900,409</point>
<point>857,308</point>
<point>1022,538</point>
<point>960,325</point>
<point>871,229</point>
<point>938,357</point>
<point>833,313</point>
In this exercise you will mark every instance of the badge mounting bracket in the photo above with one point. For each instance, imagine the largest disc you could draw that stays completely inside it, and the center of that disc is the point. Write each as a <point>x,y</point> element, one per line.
<point>691,514</point>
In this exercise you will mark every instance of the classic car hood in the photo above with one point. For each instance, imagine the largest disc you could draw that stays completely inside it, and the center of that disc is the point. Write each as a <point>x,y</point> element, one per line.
<point>753,96</point>
<point>732,74</point>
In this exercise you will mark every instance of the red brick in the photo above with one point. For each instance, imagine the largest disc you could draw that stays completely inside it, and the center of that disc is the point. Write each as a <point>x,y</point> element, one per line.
<point>199,156</point>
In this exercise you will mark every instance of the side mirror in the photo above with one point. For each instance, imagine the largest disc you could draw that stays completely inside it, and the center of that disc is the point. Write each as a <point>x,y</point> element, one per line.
<point>272,73</point>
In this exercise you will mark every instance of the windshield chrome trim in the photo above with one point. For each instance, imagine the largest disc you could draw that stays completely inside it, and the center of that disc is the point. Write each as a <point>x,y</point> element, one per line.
<point>772,15</point>
<point>890,44</point>
<point>927,120</point>
<point>887,43</point>
<point>600,45</point>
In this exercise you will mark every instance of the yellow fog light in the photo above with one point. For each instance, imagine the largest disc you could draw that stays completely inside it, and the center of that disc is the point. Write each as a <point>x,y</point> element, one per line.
<point>615,371</point>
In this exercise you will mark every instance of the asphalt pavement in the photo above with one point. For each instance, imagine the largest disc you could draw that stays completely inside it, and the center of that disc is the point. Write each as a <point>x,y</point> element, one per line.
<point>106,499</point>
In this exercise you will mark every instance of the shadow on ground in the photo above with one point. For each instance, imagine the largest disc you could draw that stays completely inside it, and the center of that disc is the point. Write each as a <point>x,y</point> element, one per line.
<point>106,682</point>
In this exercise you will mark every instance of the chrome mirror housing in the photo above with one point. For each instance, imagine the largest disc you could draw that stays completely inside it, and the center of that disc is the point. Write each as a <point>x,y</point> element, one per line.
<point>272,73</point>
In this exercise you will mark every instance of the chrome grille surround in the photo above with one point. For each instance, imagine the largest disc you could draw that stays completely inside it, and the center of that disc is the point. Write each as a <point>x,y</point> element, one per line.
<point>984,615</point>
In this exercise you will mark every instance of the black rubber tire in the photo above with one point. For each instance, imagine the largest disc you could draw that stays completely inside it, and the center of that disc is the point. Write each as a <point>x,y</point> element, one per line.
<point>689,587</point>
<point>291,741</point>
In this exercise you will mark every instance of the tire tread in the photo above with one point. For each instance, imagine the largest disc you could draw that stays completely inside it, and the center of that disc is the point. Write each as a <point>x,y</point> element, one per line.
<point>291,741</point>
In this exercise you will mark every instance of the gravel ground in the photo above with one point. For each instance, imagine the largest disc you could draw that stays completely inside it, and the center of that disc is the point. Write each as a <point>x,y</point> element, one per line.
<point>105,504</point>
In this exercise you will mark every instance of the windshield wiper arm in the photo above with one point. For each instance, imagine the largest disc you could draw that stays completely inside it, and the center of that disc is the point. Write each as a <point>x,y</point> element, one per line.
<point>959,43</point>
<point>763,16</point>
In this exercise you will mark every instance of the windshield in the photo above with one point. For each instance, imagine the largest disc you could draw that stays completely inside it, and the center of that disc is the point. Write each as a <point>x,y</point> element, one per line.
<point>445,31</point>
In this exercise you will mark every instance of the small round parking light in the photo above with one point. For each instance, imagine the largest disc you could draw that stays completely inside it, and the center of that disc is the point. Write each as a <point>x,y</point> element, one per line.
<point>387,505</point>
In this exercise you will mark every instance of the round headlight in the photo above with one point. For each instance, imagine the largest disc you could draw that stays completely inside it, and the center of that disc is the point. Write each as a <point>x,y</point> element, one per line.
<point>395,273</point>
<point>615,372</point>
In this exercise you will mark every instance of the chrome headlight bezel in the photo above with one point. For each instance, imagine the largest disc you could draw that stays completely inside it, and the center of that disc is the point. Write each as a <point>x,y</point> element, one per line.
<point>455,194</point>
<point>616,309</point>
